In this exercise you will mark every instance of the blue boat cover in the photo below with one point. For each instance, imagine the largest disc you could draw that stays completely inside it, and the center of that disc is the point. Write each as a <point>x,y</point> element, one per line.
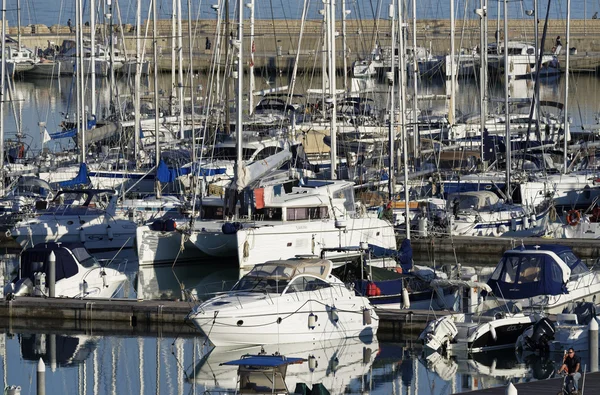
<point>81,178</point>
<point>404,256</point>
<point>264,360</point>
<point>165,174</point>
<point>521,275</point>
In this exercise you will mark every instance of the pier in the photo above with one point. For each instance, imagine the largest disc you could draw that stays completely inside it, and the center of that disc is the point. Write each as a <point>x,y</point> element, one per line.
<point>550,386</point>
<point>276,42</point>
<point>129,317</point>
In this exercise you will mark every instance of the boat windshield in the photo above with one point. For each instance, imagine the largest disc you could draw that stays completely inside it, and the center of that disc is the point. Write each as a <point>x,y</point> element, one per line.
<point>269,278</point>
<point>274,277</point>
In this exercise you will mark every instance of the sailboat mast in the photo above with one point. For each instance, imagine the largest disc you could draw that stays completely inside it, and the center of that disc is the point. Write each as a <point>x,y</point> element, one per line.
<point>251,82</point>
<point>137,82</point>
<point>2,96</point>
<point>93,56</point>
<point>415,118</point>
<point>506,104</point>
<point>239,90</point>
<point>18,24</point>
<point>345,44</point>
<point>566,133</point>
<point>156,109</point>
<point>81,117</point>
<point>451,109</point>
<point>482,72</point>
<point>392,131</point>
<point>191,77</point>
<point>332,88</point>
<point>180,70</point>
<point>173,56</point>
<point>402,82</point>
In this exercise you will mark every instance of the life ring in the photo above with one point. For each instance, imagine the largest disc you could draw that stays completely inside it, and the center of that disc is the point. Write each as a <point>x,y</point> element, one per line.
<point>573,217</point>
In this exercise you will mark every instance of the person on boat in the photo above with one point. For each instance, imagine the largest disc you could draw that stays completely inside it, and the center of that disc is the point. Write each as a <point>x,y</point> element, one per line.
<point>70,26</point>
<point>572,366</point>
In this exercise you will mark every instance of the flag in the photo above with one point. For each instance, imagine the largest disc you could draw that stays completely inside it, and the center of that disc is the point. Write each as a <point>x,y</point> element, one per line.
<point>46,136</point>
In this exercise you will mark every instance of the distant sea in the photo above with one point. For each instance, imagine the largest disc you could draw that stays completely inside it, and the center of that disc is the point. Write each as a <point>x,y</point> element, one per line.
<point>51,12</point>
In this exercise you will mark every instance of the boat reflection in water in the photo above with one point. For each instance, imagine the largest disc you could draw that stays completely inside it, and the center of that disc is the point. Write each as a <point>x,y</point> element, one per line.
<point>490,369</point>
<point>336,366</point>
<point>57,350</point>
<point>184,282</point>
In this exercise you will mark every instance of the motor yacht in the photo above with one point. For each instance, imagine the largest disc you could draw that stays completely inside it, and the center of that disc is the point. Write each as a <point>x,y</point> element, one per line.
<point>286,301</point>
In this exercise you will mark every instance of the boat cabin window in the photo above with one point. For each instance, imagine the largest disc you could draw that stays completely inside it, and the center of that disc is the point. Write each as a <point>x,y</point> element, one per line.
<point>302,284</point>
<point>575,264</point>
<point>530,270</point>
<point>305,213</point>
<point>267,152</point>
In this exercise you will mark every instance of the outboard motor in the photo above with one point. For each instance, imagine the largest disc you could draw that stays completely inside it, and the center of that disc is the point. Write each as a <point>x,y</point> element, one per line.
<point>585,312</point>
<point>543,333</point>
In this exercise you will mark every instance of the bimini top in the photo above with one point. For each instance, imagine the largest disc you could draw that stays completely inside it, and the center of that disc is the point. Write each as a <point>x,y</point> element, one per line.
<point>290,268</point>
<point>535,270</point>
<point>68,255</point>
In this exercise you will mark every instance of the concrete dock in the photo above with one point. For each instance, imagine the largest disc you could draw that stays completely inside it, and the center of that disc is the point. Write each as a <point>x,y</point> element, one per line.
<point>129,317</point>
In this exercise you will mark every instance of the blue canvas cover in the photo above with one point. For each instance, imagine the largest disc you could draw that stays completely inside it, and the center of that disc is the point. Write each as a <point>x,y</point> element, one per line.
<point>164,174</point>
<point>404,256</point>
<point>35,259</point>
<point>272,361</point>
<point>527,272</point>
<point>80,179</point>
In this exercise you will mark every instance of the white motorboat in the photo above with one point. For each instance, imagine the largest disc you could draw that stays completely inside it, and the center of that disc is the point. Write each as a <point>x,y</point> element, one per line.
<point>491,327</point>
<point>299,220</point>
<point>522,60</point>
<point>546,277</point>
<point>291,301</point>
<point>77,273</point>
<point>483,213</point>
<point>19,60</point>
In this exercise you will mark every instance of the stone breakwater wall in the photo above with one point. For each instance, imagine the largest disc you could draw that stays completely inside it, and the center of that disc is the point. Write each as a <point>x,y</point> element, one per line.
<point>276,42</point>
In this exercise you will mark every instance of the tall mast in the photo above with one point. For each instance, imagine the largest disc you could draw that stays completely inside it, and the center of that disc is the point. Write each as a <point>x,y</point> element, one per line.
<point>451,109</point>
<point>251,84</point>
<point>567,133</point>
<point>111,54</point>
<point>180,69</point>
<point>239,90</point>
<point>156,109</point>
<point>93,56</point>
<point>506,104</point>
<point>137,82</point>
<point>18,24</point>
<point>402,81</point>
<point>173,56</point>
<point>227,70</point>
<point>82,118</point>
<point>332,88</point>
<point>392,131</point>
<point>2,96</point>
<point>482,12</point>
<point>415,103</point>
<point>345,44</point>
<point>191,77</point>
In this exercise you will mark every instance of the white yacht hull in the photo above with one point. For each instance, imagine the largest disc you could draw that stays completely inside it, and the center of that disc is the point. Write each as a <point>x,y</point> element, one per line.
<point>157,247</point>
<point>287,318</point>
